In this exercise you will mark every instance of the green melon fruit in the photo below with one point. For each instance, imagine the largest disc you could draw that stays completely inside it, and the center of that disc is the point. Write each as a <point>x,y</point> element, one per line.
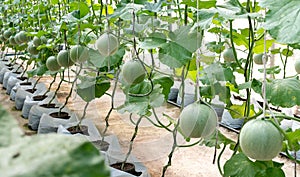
<point>297,66</point>
<point>228,55</point>
<point>79,54</point>
<point>17,39</point>
<point>63,58</point>
<point>44,40</point>
<point>32,49</point>
<point>7,34</point>
<point>260,140</point>
<point>52,64</point>
<point>2,38</point>
<point>133,72</point>
<point>12,40</point>
<point>198,121</point>
<point>36,41</point>
<point>107,44</point>
<point>258,59</point>
<point>22,37</point>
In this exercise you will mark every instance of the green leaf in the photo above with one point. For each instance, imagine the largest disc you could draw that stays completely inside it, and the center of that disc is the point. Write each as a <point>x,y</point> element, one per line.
<point>216,72</point>
<point>232,9</point>
<point>280,89</point>
<point>153,7</point>
<point>287,52</point>
<point>187,37</point>
<point>294,138</point>
<point>222,139</point>
<point>259,46</point>
<point>91,87</point>
<point>238,111</point>
<point>103,62</point>
<point>245,85</point>
<point>166,82</point>
<point>10,133</point>
<point>206,17</point>
<point>142,105</point>
<point>282,20</point>
<point>53,2</point>
<point>202,4</point>
<point>270,172</point>
<point>39,71</point>
<point>239,165</point>
<point>271,70</point>
<point>53,155</point>
<point>214,89</point>
<point>214,46</point>
<point>174,55</point>
<point>80,9</point>
<point>152,43</point>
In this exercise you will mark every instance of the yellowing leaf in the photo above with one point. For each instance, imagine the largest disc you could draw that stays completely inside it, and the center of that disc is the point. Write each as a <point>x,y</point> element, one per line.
<point>237,111</point>
<point>109,9</point>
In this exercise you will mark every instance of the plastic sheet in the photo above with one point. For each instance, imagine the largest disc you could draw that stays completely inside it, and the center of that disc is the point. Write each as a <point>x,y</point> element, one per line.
<point>49,124</point>
<point>17,86</point>
<point>2,72</point>
<point>113,154</point>
<point>21,94</point>
<point>29,102</point>
<point>14,72</point>
<point>231,122</point>
<point>12,81</point>
<point>36,113</point>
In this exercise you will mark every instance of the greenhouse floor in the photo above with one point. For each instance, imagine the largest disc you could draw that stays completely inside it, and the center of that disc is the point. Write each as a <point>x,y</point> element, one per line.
<point>152,145</point>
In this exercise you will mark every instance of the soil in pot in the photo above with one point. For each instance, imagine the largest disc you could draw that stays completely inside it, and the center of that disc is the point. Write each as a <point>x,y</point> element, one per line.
<point>128,168</point>
<point>31,90</point>
<point>10,68</point>
<point>60,115</point>
<point>17,72</point>
<point>9,65</point>
<point>25,83</point>
<point>82,129</point>
<point>48,106</point>
<point>39,97</point>
<point>101,145</point>
<point>22,78</point>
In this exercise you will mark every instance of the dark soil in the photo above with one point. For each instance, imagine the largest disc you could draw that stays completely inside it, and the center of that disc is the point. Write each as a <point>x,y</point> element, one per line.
<point>25,83</point>
<point>31,90</point>
<point>17,72</point>
<point>82,129</point>
<point>101,145</point>
<point>128,168</point>
<point>48,105</point>
<point>22,78</point>
<point>39,97</point>
<point>60,115</point>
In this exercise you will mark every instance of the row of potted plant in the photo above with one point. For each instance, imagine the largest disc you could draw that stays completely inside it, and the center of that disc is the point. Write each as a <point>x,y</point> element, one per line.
<point>144,46</point>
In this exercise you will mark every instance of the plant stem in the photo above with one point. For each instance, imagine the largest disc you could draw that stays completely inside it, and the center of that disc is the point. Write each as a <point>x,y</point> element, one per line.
<point>112,104</point>
<point>174,132</point>
<point>131,142</point>
<point>71,91</point>
<point>26,68</point>
<point>232,45</point>
<point>50,86</point>
<point>84,112</point>
<point>37,81</point>
<point>58,87</point>
<point>159,122</point>
<point>285,62</point>
<point>219,160</point>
